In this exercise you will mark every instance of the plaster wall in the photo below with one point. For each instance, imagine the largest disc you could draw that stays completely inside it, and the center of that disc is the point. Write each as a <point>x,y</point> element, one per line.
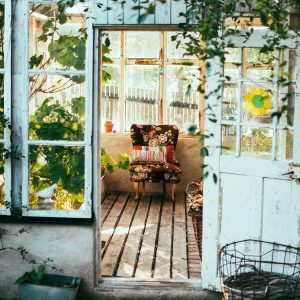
<point>70,246</point>
<point>187,153</point>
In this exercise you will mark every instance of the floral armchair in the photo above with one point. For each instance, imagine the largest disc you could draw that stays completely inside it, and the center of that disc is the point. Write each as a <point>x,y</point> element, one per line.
<point>153,158</point>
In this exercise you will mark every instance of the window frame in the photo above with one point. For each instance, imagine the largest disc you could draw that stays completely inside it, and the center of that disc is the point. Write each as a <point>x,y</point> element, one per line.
<point>6,71</point>
<point>86,143</point>
<point>255,41</point>
<point>163,62</point>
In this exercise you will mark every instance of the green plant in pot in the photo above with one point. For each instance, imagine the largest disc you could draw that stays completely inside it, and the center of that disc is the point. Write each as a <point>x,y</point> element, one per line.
<point>38,285</point>
<point>109,163</point>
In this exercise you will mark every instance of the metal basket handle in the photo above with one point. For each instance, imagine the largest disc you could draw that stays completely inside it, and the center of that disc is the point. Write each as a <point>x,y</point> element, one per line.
<point>246,266</point>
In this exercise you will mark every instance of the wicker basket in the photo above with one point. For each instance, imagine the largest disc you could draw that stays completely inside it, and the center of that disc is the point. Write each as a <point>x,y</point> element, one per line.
<point>254,269</point>
<point>194,189</point>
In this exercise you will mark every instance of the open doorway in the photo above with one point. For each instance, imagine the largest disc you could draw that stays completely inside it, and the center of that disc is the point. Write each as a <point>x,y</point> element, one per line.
<point>145,79</point>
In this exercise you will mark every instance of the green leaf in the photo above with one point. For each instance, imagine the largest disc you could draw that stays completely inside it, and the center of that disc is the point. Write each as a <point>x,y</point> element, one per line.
<point>215,178</point>
<point>204,152</point>
<point>142,18</point>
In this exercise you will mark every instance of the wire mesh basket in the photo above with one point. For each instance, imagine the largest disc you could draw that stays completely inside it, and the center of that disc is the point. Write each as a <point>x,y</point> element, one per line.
<point>194,194</point>
<point>254,269</point>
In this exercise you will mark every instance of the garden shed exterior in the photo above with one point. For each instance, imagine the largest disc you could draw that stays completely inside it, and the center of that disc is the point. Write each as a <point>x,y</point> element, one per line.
<point>252,189</point>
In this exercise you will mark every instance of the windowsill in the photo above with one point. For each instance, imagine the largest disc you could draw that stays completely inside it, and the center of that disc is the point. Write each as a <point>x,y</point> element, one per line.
<point>46,220</point>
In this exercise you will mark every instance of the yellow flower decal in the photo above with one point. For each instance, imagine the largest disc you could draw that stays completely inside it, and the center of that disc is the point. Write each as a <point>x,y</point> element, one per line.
<point>258,101</point>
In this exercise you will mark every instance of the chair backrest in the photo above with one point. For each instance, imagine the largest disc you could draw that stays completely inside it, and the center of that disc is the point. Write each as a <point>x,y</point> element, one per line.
<point>154,135</point>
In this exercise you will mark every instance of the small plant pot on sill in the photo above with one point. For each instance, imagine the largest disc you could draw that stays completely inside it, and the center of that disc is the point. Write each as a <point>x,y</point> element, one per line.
<point>51,287</point>
<point>108,125</point>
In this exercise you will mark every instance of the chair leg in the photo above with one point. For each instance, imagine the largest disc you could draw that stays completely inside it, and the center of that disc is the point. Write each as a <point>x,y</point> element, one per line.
<point>143,188</point>
<point>136,189</point>
<point>173,190</point>
<point>164,189</point>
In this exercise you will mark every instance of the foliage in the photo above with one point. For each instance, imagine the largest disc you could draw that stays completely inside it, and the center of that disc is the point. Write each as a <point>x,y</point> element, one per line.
<point>34,276</point>
<point>107,161</point>
<point>124,161</point>
<point>56,164</point>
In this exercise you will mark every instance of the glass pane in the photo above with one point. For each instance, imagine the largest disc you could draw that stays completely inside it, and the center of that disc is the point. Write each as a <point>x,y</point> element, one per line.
<point>229,111</point>
<point>56,177</point>
<point>177,51</point>
<point>228,139</point>
<point>287,100</point>
<point>115,43</point>
<point>111,97</point>
<point>183,99</point>
<point>1,35</point>
<point>57,36</point>
<point>231,72</point>
<point>142,44</point>
<point>257,103</point>
<point>259,65</point>
<point>142,95</point>
<point>232,55</point>
<point>2,179</point>
<point>285,145</point>
<point>257,142</point>
<point>56,107</point>
<point>292,64</point>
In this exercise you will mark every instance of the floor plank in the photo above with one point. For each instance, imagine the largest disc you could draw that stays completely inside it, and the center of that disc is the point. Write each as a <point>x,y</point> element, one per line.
<point>163,254</point>
<point>180,246</point>
<point>194,262</point>
<point>144,265</point>
<point>128,260</point>
<point>148,238</point>
<point>109,225</point>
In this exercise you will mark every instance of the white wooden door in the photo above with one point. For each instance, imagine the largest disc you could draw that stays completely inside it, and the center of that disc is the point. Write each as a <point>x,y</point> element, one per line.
<point>252,199</point>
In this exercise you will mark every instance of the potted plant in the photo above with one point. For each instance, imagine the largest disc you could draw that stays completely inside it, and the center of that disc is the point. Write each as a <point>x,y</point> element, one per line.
<point>38,285</point>
<point>108,125</point>
<point>107,162</point>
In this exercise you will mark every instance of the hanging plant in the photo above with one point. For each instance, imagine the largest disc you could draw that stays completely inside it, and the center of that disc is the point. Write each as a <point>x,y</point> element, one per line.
<point>258,101</point>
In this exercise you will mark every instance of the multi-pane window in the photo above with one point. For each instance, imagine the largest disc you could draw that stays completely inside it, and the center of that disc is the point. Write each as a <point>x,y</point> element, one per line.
<point>256,86</point>
<point>5,107</point>
<point>57,122</point>
<point>147,79</point>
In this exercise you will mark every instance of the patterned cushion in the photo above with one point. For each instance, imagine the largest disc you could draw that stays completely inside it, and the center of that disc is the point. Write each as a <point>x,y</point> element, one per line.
<point>167,173</point>
<point>155,155</point>
<point>149,168</point>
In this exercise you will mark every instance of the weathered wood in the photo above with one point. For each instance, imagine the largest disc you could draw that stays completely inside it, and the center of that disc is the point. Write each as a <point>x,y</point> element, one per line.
<point>111,222</point>
<point>143,269</point>
<point>147,238</point>
<point>107,205</point>
<point>126,266</point>
<point>180,246</point>
<point>193,257</point>
<point>109,262</point>
<point>163,255</point>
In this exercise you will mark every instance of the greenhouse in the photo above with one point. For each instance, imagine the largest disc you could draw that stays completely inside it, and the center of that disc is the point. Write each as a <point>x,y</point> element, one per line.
<point>149,148</point>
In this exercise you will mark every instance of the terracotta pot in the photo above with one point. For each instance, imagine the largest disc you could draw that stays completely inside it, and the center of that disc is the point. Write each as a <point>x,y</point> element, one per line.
<point>108,125</point>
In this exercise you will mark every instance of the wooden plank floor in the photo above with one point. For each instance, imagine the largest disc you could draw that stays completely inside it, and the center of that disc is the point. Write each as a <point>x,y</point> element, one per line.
<point>151,237</point>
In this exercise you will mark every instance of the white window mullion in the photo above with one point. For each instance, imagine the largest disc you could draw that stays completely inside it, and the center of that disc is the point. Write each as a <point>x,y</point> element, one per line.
<point>239,104</point>
<point>7,102</point>
<point>163,109</point>
<point>88,117</point>
<point>122,97</point>
<point>296,146</point>
<point>275,99</point>
<point>25,110</point>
